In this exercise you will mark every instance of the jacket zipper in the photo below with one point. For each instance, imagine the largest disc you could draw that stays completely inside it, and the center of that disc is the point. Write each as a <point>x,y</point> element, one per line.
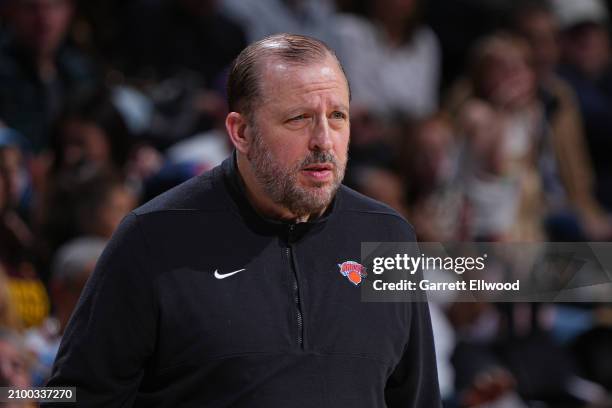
<point>296,293</point>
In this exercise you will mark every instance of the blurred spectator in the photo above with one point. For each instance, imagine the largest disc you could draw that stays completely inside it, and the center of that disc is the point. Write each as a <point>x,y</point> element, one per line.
<point>12,149</point>
<point>72,266</point>
<point>99,26</point>
<point>8,314</point>
<point>494,362</point>
<point>38,71</point>
<point>265,17</point>
<point>459,24</point>
<point>501,121</point>
<point>429,160</point>
<point>205,150</point>
<point>564,162</point>
<point>585,47</point>
<point>537,23</point>
<point>14,361</point>
<point>178,54</point>
<point>593,351</point>
<point>18,260</point>
<point>86,201</point>
<point>391,59</point>
<point>380,184</point>
<point>373,140</point>
<point>91,131</point>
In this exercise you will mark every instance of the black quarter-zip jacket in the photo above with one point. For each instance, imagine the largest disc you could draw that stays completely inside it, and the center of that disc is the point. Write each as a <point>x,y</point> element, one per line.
<point>197,301</point>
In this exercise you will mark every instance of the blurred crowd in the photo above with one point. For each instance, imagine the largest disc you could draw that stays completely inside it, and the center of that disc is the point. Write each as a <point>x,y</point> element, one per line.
<point>478,120</point>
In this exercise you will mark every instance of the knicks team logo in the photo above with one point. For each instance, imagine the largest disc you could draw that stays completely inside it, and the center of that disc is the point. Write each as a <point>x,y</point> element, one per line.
<point>353,271</point>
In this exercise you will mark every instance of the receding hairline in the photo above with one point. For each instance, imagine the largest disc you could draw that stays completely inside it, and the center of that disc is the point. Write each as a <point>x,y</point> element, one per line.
<point>269,63</point>
<point>288,42</point>
<point>290,49</point>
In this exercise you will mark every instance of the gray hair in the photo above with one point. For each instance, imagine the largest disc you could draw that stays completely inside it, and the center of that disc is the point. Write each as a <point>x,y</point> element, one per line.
<point>72,258</point>
<point>243,87</point>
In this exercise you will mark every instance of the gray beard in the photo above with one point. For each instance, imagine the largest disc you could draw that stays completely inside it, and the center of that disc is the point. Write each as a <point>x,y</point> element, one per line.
<point>281,185</point>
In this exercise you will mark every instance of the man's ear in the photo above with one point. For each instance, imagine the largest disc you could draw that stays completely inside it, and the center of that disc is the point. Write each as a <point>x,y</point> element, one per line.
<point>236,125</point>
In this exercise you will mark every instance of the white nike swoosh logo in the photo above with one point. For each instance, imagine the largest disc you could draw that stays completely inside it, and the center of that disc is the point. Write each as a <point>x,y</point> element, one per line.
<point>226,275</point>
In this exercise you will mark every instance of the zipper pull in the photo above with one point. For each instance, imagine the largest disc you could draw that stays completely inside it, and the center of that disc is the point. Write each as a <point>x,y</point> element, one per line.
<point>290,233</point>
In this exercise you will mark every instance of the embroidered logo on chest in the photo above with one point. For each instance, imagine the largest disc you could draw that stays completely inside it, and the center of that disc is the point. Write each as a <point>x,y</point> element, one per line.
<point>353,271</point>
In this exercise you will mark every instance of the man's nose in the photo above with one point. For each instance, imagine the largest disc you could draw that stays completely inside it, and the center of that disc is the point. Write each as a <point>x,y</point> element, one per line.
<point>321,138</point>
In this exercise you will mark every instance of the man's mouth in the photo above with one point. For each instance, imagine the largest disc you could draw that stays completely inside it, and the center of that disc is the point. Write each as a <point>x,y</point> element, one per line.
<point>319,171</point>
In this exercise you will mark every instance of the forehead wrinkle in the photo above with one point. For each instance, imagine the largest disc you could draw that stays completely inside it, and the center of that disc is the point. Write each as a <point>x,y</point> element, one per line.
<point>295,81</point>
<point>310,95</point>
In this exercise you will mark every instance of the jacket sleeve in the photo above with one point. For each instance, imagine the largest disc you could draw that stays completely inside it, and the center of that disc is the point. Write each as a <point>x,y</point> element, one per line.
<point>414,382</point>
<point>112,331</point>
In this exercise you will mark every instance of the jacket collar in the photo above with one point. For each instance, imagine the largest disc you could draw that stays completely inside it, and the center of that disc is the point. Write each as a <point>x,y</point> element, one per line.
<point>291,231</point>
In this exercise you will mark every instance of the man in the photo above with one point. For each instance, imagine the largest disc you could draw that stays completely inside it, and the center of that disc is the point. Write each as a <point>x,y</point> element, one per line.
<point>14,364</point>
<point>586,63</point>
<point>226,290</point>
<point>38,71</point>
<point>564,161</point>
<point>72,265</point>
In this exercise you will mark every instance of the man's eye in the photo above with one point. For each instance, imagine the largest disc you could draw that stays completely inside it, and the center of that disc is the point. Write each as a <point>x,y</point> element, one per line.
<point>338,115</point>
<point>298,118</point>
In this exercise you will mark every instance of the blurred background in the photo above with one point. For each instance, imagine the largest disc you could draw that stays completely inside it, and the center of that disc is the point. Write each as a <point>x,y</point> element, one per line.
<point>479,120</point>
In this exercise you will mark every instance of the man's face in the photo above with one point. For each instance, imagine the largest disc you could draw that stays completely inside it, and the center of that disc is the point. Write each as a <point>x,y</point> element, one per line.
<point>541,31</point>
<point>13,366</point>
<point>300,134</point>
<point>41,24</point>
<point>588,49</point>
